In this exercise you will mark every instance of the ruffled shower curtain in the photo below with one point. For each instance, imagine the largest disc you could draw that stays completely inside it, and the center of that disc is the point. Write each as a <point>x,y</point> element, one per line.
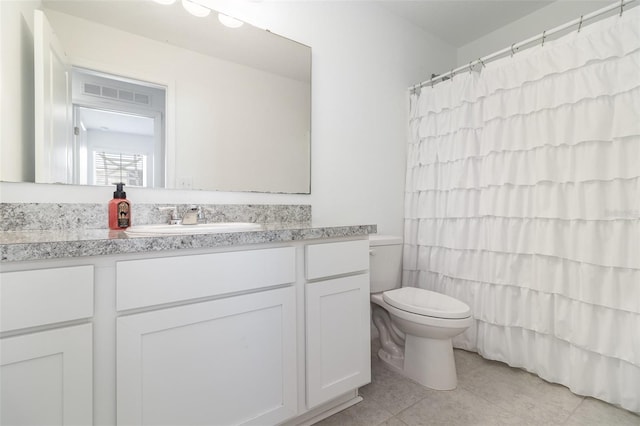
<point>523,200</point>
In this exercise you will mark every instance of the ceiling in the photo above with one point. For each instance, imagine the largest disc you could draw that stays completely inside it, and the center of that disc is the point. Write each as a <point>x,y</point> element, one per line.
<point>459,22</point>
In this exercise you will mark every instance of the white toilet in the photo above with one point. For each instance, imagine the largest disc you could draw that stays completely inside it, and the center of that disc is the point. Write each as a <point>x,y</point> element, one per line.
<point>415,325</point>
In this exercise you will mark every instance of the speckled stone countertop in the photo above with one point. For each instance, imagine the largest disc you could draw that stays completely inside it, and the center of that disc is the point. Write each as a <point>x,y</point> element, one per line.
<point>16,246</point>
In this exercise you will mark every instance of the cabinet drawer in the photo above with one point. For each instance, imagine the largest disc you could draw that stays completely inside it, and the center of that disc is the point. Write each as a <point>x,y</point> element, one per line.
<point>45,296</point>
<point>156,281</point>
<point>328,259</point>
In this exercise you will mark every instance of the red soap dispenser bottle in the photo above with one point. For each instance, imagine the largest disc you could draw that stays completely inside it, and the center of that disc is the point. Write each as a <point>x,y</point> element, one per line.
<point>119,209</point>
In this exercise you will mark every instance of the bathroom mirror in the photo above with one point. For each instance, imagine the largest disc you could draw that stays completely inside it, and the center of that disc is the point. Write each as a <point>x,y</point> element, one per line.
<point>238,100</point>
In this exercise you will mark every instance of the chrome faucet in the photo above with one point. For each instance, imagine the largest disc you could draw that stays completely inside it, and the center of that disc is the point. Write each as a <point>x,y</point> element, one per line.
<point>173,218</point>
<point>193,215</point>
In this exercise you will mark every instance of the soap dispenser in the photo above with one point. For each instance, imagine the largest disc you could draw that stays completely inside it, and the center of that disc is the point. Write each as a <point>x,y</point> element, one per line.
<point>119,209</point>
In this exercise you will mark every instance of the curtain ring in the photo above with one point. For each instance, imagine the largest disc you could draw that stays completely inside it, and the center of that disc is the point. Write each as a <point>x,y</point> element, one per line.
<point>543,37</point>
<point>451,74</point>
<point>470,67</point>
<point>512,51</point>
<point>432,82</point>
<point>580,24</point>
<point>481,62</point>
<point>621,7</point>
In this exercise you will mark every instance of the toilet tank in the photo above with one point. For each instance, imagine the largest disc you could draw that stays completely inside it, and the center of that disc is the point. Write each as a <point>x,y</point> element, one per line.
<point>385,262</point>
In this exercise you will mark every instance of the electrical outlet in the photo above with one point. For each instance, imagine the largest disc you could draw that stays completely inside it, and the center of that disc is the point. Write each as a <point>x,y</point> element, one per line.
<point>185,182</point>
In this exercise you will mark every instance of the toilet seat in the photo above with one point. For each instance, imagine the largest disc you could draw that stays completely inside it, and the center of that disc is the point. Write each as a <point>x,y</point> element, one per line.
<point>378,299</point>
<point>427,303</point>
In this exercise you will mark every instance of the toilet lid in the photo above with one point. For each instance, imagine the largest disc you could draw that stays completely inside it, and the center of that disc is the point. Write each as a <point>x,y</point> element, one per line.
<point>424,302</point>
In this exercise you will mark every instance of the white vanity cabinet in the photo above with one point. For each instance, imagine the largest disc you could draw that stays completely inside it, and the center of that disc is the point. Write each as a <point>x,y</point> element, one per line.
<point>227,361</point>
<point>255,334</point>
<point>46,355</point>
<point>337,319</point>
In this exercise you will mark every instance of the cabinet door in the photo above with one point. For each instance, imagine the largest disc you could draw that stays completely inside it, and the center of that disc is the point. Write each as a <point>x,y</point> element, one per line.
<point>46,378</point>
<point>223,362</point>
<point>338,337</point>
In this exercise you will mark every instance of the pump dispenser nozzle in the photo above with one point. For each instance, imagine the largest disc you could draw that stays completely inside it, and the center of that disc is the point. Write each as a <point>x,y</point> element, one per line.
<point>119,192</point>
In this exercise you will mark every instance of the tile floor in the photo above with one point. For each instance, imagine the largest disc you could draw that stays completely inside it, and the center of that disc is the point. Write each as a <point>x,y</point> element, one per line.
<point>488,393</point>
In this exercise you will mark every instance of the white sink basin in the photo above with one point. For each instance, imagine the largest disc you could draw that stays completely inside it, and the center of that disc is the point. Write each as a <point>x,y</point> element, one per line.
<point>201,228</point>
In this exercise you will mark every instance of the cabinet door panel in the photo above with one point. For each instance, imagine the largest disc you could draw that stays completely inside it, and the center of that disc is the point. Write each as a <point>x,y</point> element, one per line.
<point>338,347</point>
<point>228,361</point>
<point>46,378</point>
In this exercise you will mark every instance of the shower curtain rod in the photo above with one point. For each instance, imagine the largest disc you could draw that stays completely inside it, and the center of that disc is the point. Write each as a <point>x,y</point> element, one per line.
<point>516,46</point>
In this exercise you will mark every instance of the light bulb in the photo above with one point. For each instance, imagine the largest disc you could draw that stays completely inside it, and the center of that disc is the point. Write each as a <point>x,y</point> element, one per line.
<point>229,21</point>
<point>195,9</point>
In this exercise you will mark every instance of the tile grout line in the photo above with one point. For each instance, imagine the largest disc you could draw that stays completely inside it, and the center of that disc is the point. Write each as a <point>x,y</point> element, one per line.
<point>514,413</point>
<point>582,398</point>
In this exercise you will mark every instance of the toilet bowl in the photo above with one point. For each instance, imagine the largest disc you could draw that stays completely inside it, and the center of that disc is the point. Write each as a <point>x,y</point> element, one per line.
<point>415,325</point>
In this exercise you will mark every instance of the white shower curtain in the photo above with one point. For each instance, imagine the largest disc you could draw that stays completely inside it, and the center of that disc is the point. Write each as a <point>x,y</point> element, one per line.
<point>523,200</point>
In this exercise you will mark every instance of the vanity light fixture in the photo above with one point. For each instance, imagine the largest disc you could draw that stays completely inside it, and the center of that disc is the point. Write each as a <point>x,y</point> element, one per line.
<point>201,11</point>
<point>229,21</point>
<point>196,9</point>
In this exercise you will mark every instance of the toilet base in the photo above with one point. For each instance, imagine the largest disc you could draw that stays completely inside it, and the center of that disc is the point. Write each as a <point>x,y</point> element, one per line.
<point>419,362</point>
<point>430,362</point>
<point>394,363</point>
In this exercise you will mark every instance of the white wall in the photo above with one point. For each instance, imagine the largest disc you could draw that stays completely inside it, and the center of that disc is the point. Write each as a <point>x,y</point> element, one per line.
<point>363,61</point>
<point>546,18</point>
<point>16,58</point>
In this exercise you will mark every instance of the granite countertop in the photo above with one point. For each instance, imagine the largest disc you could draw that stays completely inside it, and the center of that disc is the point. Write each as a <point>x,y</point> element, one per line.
<point>16,246</point>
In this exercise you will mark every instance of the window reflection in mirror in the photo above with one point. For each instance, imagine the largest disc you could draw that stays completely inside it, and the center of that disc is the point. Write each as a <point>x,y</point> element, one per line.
<point>119,130</point>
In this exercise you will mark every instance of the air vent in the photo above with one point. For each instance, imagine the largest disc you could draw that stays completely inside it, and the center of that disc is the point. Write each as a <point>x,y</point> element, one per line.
<point>116,94</point>
<point>91,89</point>
<point>141,98</point>
<point>108,92</point>
<point>125,95</point>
